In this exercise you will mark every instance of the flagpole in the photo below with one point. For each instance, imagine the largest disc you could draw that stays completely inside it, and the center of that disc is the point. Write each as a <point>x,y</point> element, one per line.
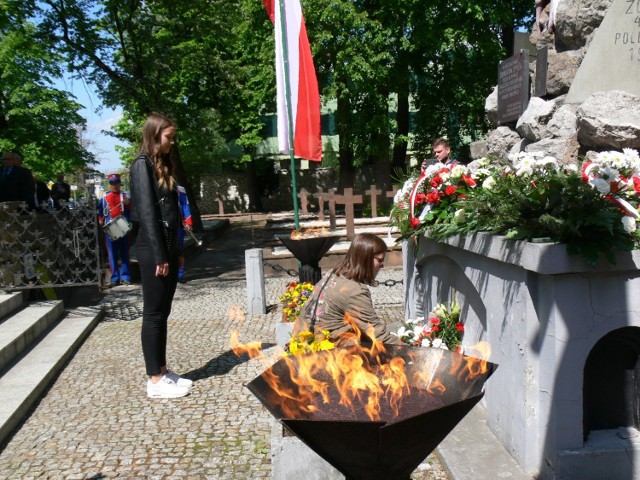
<point>287,89</point>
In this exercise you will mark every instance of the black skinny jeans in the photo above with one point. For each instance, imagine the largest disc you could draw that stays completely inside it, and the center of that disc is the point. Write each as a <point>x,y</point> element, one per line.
<point>157,295</point>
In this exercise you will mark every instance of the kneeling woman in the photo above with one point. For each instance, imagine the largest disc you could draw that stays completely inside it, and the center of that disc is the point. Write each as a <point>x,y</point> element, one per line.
<point>341,301</point>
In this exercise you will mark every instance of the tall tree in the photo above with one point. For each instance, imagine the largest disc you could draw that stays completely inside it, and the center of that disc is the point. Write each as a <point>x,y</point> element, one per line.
<point>153,56</point>
<point>36,119</point>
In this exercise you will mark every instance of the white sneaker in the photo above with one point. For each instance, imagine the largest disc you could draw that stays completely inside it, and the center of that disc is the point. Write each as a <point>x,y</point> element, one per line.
<point>165,388</point>
<point>178,380</point>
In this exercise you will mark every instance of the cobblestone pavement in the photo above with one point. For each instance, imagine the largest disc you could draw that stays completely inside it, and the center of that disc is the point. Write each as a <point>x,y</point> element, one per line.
<point>96,421</point>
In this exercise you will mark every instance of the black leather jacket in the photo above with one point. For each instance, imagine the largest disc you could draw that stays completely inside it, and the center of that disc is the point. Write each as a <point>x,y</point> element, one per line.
<point>155,209</point>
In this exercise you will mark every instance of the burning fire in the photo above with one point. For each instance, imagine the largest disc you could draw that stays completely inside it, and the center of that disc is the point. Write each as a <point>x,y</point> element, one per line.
<point>309,233</point>
<point>362,382</point>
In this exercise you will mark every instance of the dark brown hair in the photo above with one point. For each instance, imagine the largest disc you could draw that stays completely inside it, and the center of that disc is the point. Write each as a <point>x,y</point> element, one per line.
<point>150,145</point>
<point>440,141</point>
<point>358,262</point>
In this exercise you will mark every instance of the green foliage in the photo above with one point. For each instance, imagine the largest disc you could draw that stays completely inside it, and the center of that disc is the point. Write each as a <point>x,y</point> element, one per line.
<point>39,121</point>
<point>329,156</point>
<point>211,69</point>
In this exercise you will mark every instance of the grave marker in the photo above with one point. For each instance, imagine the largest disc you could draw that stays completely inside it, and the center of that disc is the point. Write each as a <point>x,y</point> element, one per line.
<point>373,192</point>
<point>220,205</point>
<point>348,199</point>
<point>392,193</point>
<point>513,87</point>
<point>542,64</point>
<point>303,201</point>
<point>321,196</point>
<point>331,200</point>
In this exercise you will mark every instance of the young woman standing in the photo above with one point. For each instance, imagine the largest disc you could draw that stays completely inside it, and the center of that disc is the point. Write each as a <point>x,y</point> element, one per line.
<point>155,209</point>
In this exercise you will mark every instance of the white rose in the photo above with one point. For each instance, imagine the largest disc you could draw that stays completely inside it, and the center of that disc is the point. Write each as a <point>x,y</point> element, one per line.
<point>457,171</point>
<point>629,224</point>
<point>425,342</point>
<point>459,216</point>
<point>525,169</point>
<point>436,343</point>
<point>489,183</point>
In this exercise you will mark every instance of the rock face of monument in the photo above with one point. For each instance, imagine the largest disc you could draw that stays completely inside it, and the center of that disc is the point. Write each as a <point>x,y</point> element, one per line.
<point>592,95</point>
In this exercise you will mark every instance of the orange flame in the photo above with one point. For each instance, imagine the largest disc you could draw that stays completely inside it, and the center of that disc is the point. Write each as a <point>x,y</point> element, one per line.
<point>363,380</point>
<point>467,367</point>
<point>253,349</point>
<point>309,233</point>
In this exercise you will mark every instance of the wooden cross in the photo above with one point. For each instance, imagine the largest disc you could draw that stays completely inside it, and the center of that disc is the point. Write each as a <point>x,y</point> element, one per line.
<point>373,192</point>
<point>392,193</point>
<point>220,205</point>
<point>348,199</point>
<point>331,200</point>
<point>303,201</point>
<point>320,195</point>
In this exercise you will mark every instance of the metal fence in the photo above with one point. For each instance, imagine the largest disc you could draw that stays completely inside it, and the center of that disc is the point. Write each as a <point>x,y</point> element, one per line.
<point>49,248</point>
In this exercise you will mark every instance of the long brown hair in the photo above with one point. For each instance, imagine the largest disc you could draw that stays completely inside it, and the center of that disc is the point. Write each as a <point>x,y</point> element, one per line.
<point>358,262</point>
<point>150,145</point>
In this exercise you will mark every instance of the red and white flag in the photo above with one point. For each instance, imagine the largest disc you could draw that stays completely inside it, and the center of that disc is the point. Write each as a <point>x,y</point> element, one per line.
<point>305,96</point>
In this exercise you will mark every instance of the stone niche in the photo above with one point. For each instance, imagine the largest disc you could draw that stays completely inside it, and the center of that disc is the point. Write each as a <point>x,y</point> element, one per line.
<point>547,316</point>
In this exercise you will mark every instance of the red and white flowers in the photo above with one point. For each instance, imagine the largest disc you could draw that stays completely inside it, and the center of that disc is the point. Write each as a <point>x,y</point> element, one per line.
<point>441,328</point>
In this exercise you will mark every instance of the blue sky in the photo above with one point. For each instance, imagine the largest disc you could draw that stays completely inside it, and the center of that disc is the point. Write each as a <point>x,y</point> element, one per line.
<point>104,148</point>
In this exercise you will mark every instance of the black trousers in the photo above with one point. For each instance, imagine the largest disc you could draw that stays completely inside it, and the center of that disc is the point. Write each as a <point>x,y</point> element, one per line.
<point>157,295</point>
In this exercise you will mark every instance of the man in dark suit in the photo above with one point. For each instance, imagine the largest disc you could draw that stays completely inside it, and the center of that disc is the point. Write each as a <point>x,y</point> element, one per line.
<point>60,190</point>
<point>16,182</point>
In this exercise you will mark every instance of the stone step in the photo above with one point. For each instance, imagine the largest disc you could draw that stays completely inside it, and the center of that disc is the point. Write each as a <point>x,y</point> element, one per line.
<point>22,328</point>
<point>24,381</point>
<point>10,302</point>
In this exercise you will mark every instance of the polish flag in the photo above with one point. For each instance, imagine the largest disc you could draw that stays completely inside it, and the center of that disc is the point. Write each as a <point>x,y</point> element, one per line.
<point>303,84</point>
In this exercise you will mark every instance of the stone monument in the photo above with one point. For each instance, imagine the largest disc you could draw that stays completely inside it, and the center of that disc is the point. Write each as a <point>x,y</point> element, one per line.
<point>612,61</point>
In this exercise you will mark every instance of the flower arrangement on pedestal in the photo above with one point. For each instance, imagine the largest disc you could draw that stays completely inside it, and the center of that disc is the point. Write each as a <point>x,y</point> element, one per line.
<point>441,329</point>
<point>592,208</point>
<point>293,299</point>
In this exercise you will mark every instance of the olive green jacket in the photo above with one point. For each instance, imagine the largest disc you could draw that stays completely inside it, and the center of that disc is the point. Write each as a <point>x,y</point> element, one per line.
<point>343,306</point>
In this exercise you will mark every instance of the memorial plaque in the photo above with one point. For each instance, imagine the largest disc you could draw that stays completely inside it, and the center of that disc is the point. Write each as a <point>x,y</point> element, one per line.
<point>513,87</point>
<point>612,61</point>
<point>542,62</point>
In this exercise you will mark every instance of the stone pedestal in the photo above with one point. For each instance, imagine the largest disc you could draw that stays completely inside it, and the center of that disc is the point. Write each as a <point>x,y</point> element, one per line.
<point>291,459</point>
<point>283,333</point>
<point>542,311</point>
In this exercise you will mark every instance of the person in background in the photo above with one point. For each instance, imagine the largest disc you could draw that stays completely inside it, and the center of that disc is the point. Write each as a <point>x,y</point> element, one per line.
<point>156,212</point>
<point>442,152</point>
<point>341,301</point>
<point>186,223</point>
<point>111,205</point>
<point>60,191</point>
<point>42,193</point>
<point>16,182</point>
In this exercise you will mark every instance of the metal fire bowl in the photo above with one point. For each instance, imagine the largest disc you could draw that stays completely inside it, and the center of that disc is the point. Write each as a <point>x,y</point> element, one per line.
<point>393,447</point>
<point>309,250</point>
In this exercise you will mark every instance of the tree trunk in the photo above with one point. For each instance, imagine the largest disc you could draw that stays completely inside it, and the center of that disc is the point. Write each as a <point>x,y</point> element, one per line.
<point>253,186</point>
<point>402,117</point>
<point>345,151</point>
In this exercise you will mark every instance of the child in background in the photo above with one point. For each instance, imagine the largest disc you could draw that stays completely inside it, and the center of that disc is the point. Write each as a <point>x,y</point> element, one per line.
<point>185,214</point>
